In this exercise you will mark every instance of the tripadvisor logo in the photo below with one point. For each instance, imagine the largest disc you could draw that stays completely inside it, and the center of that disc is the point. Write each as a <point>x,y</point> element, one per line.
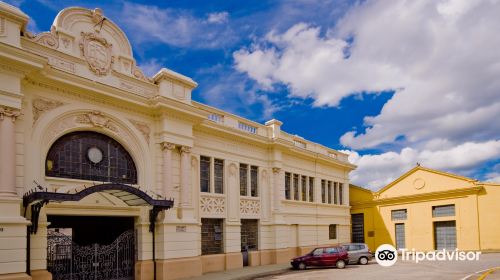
<point>386,255</point>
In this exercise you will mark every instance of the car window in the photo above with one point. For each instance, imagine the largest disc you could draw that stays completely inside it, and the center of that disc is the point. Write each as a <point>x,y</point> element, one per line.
<point>331,250</point>
<point>353,248</point>
<point>361,247</point>
<point>318,252</point>
<point>345,247</point>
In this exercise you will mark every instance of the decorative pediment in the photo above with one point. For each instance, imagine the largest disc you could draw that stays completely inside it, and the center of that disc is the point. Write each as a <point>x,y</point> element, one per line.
<point>90,35</point>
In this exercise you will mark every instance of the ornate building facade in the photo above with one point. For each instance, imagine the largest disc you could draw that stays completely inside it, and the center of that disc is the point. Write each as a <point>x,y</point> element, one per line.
<point>104,169</point>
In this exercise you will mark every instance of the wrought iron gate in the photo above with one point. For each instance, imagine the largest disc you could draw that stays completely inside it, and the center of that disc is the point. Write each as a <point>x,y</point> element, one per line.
<point>67,260</point>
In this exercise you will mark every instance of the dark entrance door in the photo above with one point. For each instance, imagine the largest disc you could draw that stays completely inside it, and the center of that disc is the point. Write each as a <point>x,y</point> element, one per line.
<point>90,248</point>
<point>358,228</point>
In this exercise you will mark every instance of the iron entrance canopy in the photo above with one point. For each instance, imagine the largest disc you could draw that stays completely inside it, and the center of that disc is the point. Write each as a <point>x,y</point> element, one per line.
<point>132,196</point>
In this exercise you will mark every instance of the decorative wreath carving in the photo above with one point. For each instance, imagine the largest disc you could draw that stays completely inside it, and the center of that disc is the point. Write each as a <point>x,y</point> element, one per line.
<point>97,119</point>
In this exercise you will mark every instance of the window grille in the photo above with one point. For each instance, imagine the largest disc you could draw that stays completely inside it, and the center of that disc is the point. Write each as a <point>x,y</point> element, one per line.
<point>399,214</point>
<point>287,185</point>
<point>332,231</point>
<point>304,187</point>
<point>254,181</point>
<point>243,179</point>
<point>89,155</point>
<point>311,189</point>
<point>204,174</point>
<point>218,175</point>
<point>443,210</point>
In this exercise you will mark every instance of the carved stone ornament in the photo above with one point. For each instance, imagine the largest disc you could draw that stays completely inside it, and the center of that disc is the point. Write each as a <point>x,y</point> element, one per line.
<point>97,119</point>
<point>9,113</point>
<point>249,207</point>
<point>143,128</point>
<point>40,106</point>
<point>212,205</point>
<point>49,39</point>
<point>167,146</point>
<point>232,169</point>
<point>185,149</point>
<point>276,169</point>
<point>97,52</point>
<point>139,74</point>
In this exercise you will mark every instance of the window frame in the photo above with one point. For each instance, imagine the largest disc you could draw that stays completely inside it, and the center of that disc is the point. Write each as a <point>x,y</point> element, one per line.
<point>333,232</point>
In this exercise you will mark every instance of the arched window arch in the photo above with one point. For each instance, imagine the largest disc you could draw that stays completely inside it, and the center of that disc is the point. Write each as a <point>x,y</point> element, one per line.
<point>91,156</point>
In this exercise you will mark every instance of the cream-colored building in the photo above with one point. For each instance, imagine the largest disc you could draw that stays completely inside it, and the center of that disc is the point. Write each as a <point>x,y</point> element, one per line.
<point>89,145</point>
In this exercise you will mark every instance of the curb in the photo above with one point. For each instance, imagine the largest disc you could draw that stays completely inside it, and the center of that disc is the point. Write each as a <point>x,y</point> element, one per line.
<point>263,274</point>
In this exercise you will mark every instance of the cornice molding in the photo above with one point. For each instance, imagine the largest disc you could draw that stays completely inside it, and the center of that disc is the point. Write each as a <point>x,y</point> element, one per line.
<point>417,197</point>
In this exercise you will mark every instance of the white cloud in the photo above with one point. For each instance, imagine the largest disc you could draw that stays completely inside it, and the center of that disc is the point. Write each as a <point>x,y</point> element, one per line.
<point>219,17</point>
<point>180,28</point>
<point>440,57</point>
<point>377,170</point>
<point>151,67</point>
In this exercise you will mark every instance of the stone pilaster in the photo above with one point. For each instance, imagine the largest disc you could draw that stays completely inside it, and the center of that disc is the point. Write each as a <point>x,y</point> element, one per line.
<point>12,224</point>
<point>186,203</point>
<point>8,118</point>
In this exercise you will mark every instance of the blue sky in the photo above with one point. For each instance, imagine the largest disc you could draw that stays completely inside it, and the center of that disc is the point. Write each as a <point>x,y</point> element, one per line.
<point>392,83</point>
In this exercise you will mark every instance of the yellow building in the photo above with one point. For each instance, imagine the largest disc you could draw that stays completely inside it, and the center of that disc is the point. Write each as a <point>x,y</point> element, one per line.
<point>427,209</point>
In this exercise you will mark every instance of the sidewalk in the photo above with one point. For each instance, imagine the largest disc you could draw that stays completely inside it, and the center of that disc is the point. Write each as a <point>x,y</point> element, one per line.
<point>246,272</point>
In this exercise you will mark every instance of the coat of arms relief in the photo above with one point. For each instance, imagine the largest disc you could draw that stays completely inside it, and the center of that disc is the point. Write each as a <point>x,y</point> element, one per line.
<point>97,52</point>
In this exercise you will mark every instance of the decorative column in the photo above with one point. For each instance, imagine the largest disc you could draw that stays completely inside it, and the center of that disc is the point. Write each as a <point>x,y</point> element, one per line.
<point>167,149</point>
<point>185,201</point>
<point>8,117</point>
<point>13,225</point>
<point>278,191</point>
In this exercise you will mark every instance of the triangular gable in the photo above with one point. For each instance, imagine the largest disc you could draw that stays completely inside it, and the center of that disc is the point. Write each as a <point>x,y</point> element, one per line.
<point>420,180</point>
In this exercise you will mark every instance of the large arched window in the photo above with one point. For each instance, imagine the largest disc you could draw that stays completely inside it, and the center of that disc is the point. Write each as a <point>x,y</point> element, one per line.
<point>91,156</point>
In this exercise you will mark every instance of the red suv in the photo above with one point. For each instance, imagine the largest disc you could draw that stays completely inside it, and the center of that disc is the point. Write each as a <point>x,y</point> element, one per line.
<point>323,256</point>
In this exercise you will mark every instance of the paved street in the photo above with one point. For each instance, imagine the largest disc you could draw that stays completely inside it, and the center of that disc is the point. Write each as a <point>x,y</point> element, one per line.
<point>441,270</point>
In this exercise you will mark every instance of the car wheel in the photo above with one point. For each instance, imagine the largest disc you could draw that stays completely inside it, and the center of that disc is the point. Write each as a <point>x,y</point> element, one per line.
<point>340,264</point>
<point>302,266</point>
<point>363,260</point>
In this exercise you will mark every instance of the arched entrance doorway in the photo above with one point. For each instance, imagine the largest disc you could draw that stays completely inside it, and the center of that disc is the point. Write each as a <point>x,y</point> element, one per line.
<point>84,246</point>
<point>91,247</point>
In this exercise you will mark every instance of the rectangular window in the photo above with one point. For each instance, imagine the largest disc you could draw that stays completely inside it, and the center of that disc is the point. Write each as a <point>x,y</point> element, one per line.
<point>218,175</point>
<point>358,228</point>
<point>335,193</point>
<point>332,231</point>
<point>397,215</point>
<point>443,210</point>
<point>211,236</point>
<point>254,179</point>
<point>400,236</point>
<point>243,179</point>
<point>295,186</point>
<point>249,234</point>
<point>288,179</point>
<point>329,192</point>
<point>323,191</point>
<point>204,174</point>
<point>303,184</point>
<point>311,189</point>
<point>341,193</point>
